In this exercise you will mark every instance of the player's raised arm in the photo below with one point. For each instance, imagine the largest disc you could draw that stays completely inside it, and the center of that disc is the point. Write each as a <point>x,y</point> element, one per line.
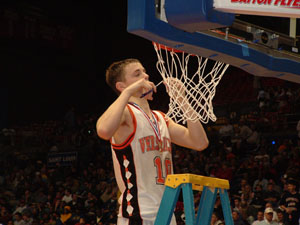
<point>117,113</point>
<point>110,120</point>
<point>193,136</point>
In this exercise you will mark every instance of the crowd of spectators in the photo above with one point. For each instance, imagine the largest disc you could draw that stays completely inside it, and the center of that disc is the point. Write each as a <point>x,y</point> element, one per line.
<point>260,167</point>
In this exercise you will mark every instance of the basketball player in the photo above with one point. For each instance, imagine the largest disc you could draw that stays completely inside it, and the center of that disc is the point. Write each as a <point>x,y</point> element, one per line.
<point>141,142</point>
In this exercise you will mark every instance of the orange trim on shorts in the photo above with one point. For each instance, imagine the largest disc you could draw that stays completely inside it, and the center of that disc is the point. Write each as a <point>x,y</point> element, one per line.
<point>130,137</point>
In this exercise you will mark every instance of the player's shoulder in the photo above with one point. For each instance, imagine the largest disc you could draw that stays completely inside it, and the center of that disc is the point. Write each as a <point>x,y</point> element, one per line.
<point>158,112</point>
<point>128,115</point>
<point>163,116</point>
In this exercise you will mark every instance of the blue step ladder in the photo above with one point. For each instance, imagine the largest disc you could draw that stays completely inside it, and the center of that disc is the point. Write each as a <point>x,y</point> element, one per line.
<point>209,186</point>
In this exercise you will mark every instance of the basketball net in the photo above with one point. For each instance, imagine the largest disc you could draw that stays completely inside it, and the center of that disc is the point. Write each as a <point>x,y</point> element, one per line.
<point>191,92</point>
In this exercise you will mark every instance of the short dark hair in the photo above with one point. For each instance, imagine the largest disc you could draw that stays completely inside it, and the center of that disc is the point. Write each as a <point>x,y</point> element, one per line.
<point>115,72</point>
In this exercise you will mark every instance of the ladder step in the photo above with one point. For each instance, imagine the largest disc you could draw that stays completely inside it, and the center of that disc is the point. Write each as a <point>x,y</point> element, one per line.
<point>210,188</point>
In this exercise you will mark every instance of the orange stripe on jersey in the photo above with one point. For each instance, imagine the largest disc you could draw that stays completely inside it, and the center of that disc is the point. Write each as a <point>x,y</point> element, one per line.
<point>164,116</point>
<point>130,137</point>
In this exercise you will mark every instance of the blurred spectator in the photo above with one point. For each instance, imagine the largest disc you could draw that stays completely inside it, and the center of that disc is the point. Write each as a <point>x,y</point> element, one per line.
<point>281,219</point>
<point>245,130</point>
<point>268,218</point>
<point>284,146</point>
<point>290,202</point>
<point>283,103</point>
<point>67,198</point>
<point>40,196</point>
<point>28,198</point>
<point>226,132</point>
<point>242,134</point>
<point>263,122</point>
<point>21,207</point>
<point>270,195</point>
<point>66,216</point>
<point>247,194</point>
<point>257,200</point>
<point>9,136</point>
<point>254,138</point>
<point>215,220</point>
<point>90,201</point>
<point>276,187</point>
<point>247,212</point>
<point>259,217</point>
<point>82,222</point>
<point>233,117</point>
<point>261,180</point>
<point>237,220</point>
<point>237,207</point>
<point>27,219</point>
<point>224,171</point>
<point>5,216</point>
<point>275,172</point>
<point>270,205</point>
<point>261,97</point>
<point>289,92</point>
<point>218,208</point>
<point>238,190</point>
<point>18,220</point>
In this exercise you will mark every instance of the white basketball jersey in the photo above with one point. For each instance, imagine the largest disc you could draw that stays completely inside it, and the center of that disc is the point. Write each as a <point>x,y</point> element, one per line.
<point>141,165</point>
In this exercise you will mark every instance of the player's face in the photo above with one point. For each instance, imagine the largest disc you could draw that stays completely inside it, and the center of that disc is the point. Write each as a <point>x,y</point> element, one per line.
<point>134,72</point>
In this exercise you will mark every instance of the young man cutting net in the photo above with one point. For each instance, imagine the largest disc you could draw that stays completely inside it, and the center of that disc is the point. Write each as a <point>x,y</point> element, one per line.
<point>141,140</point>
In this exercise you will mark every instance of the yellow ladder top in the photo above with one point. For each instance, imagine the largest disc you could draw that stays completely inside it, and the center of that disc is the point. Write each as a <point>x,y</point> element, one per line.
<point>174,180</point>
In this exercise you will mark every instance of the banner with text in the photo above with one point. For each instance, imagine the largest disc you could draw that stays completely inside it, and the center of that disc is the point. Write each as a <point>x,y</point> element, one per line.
<point>279,8</point>
<point>62,159</point>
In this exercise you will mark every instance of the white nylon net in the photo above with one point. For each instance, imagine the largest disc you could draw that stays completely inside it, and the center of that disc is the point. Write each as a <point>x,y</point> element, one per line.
<point>191,83</point>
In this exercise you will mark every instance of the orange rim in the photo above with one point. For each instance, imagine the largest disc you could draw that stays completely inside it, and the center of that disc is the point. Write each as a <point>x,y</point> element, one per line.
<point>160,46</point>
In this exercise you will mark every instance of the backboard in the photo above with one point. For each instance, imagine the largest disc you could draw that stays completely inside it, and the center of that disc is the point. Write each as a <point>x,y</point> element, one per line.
<point>197,27</point>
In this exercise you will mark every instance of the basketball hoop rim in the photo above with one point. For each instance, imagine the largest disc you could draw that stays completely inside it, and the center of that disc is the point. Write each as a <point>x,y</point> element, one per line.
<point>164,47</point>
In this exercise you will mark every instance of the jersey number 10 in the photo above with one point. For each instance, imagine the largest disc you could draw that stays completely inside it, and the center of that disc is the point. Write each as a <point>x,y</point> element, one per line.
<point>162,169</point>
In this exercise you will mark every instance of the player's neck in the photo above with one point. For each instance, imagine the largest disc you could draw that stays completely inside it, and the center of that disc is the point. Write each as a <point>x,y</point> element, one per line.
<point>143,103</point>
